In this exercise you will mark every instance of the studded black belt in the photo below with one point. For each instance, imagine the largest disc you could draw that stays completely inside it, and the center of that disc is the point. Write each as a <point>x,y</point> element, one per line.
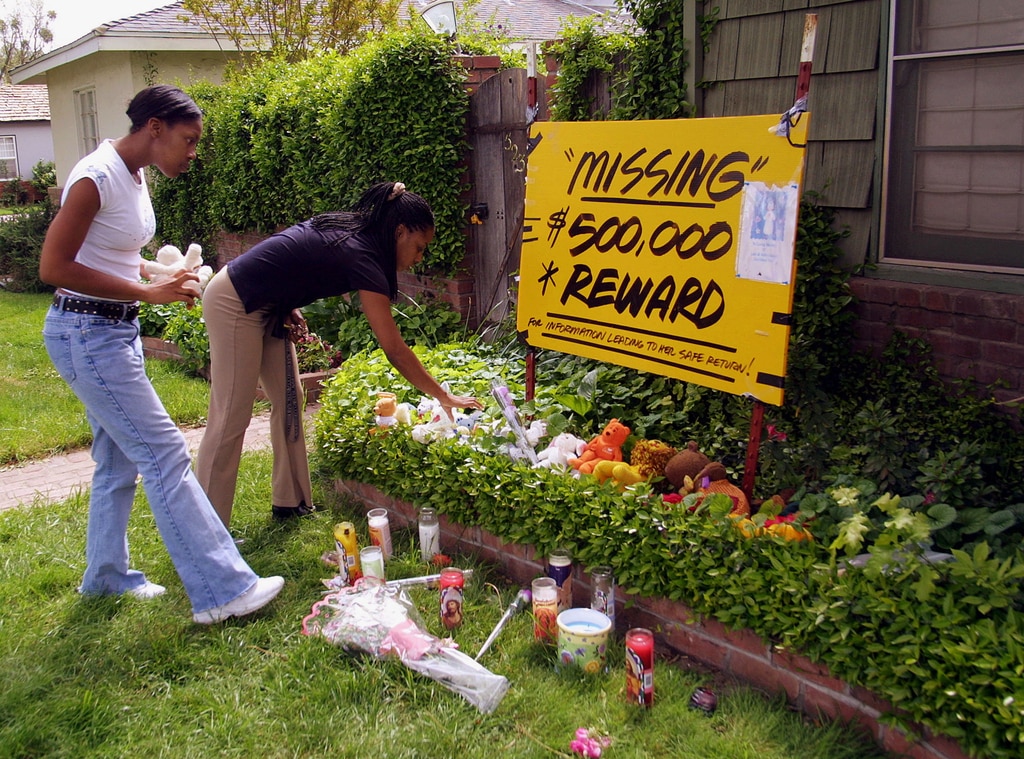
<point>108,309</point>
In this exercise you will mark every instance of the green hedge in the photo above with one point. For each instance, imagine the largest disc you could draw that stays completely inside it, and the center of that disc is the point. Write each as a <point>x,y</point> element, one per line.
<point>283,142</point>
<point>943,643</point>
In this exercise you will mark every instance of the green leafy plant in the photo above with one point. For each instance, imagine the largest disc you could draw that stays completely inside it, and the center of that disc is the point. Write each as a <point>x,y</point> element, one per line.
<point>21,243</point>
<point>187,330</point>
<point>153,318</point>
<point>585,51</point>
<point>315,354</point>
<point>44,176</point>
<point>655,87</point>
<point>942,641</point>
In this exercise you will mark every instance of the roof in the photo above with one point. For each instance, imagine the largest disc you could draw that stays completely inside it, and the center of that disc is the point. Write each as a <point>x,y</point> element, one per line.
<point>168,28</point>
<point>24,102</point>
<point>168,19</point>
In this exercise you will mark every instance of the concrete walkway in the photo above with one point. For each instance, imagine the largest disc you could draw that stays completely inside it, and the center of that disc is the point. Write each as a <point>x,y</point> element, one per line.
<point>58,477</point>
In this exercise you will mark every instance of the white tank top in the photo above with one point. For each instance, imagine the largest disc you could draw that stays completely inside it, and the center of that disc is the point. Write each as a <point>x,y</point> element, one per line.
<point>125,221</point>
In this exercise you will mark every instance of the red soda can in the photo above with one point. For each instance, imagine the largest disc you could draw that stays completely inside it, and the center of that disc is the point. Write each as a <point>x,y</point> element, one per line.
<point>640,666</point>
<point>451,584</point>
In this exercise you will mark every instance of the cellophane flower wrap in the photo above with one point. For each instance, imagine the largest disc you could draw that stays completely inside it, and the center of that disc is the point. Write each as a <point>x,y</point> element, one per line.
<point>382,621</point>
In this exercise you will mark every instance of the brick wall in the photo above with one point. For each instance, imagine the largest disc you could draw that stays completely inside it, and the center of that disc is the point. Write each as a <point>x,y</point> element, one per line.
<point>973,334</point>
<point>807,686</point>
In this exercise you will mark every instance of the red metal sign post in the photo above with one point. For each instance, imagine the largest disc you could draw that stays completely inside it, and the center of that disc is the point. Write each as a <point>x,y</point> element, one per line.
<point>803,86</point>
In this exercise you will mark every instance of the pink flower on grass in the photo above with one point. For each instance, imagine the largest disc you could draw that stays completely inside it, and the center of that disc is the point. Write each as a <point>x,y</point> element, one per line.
<point>774,433</point>
<point>588,745</point>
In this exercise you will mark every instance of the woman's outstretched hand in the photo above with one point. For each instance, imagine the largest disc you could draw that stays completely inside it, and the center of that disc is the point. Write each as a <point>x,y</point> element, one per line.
<point>460,401</point>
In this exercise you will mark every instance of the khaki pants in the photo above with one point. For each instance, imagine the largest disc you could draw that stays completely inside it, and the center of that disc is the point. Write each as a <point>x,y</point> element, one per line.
<point>242,353</point>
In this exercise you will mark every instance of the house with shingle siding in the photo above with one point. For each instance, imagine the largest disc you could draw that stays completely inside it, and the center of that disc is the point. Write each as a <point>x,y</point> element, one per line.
<point>24,129</point>
<point>916,138</point>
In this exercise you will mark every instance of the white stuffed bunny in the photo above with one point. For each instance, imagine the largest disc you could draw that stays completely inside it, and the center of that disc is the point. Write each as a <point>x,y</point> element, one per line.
<point>562,448</point>
<point>170,262</point>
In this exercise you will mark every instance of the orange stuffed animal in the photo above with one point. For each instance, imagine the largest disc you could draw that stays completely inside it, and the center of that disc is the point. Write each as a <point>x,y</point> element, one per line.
<point>605,447</point>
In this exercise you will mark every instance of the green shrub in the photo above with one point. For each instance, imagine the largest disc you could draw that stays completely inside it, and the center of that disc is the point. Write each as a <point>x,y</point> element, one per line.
<point>21,243</point>
<point>153,318</point>
<point>44,176</point>
<point>187,330</point>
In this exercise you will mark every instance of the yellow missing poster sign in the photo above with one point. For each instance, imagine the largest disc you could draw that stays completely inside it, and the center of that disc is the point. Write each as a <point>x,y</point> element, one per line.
<point>665,246</point>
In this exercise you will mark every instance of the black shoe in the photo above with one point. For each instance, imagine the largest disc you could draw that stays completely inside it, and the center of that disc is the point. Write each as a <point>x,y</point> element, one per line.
<point>281,513</point>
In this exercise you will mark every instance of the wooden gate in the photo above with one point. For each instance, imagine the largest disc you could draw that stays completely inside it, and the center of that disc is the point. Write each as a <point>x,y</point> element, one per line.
<point>497,170</point>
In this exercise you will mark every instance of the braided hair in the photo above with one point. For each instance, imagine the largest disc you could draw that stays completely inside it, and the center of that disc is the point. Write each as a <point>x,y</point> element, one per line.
<point>378,213</point>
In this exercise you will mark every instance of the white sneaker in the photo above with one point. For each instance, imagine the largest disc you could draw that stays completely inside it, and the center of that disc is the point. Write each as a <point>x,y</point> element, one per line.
<point>256,597</point>
<point>147,591</point>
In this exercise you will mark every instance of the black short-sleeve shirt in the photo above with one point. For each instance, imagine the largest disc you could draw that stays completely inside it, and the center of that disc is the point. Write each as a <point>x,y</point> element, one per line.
<point>299,265</point>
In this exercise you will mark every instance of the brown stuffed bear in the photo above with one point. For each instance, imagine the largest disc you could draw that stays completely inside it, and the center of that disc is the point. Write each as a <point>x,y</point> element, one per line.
<point>686,464</point>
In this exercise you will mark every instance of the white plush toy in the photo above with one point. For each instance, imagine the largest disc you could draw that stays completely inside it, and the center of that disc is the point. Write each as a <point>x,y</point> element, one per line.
<point>561,448</point>
<point>170,262</point>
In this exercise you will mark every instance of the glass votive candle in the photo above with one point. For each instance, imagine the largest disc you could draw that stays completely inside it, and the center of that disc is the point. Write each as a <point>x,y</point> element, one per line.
<point>372,559</point>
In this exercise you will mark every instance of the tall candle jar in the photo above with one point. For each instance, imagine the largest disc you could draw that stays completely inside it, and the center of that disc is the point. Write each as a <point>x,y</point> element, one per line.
<point>640,666</point>
<point>430,534</point>
<point>545,609</point>
<point>602,591</point>
<point>380,530</point>
<point>560,569</point>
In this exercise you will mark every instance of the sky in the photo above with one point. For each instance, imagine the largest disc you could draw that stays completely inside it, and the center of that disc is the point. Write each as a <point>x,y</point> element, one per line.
<point>76,18</point>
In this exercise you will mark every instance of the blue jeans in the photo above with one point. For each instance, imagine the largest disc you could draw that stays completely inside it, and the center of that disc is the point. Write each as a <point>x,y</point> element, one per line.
<point>101,359</point>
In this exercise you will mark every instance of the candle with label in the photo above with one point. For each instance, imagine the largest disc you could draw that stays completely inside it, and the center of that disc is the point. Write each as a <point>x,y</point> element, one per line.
<point>380,530</point>
<point>640,666</point>
<point>560,569</point>
<point>545,609</point>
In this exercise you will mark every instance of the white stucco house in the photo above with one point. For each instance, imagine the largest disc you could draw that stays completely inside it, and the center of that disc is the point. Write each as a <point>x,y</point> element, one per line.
<point>91,80</point>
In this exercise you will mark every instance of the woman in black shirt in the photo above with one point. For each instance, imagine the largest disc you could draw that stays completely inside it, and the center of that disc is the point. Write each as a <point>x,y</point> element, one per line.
<point>251,309</point>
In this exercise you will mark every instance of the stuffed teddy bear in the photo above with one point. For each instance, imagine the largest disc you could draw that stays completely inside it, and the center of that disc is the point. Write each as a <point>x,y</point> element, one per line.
<point>682,469</point>
<point>606,446</point>
<point>170,262</point>
<point>715,479</point>
<point>562,447</point>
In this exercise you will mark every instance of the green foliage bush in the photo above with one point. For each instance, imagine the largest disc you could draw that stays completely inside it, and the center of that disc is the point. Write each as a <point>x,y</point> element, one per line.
<point>655,84</point>
<point>44,176</point>
<point>943,642</point>
<point>21,243</point>
<point>283,142</point>
<point>186,329</point>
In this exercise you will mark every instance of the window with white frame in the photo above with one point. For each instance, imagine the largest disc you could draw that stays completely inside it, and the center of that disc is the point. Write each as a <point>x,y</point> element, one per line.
<point>85,105</point>
<point>8,157</point>
<point>954,176</point>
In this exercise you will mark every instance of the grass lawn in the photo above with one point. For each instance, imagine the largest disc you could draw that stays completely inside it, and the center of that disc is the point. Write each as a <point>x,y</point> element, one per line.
<point>39,415</point>
<point>108,677</point>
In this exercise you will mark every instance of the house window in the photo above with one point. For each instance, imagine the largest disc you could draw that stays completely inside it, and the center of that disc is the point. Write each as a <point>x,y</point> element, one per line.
<point>8,157</point>
<point>954,186</point>
<point>85,104</point>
